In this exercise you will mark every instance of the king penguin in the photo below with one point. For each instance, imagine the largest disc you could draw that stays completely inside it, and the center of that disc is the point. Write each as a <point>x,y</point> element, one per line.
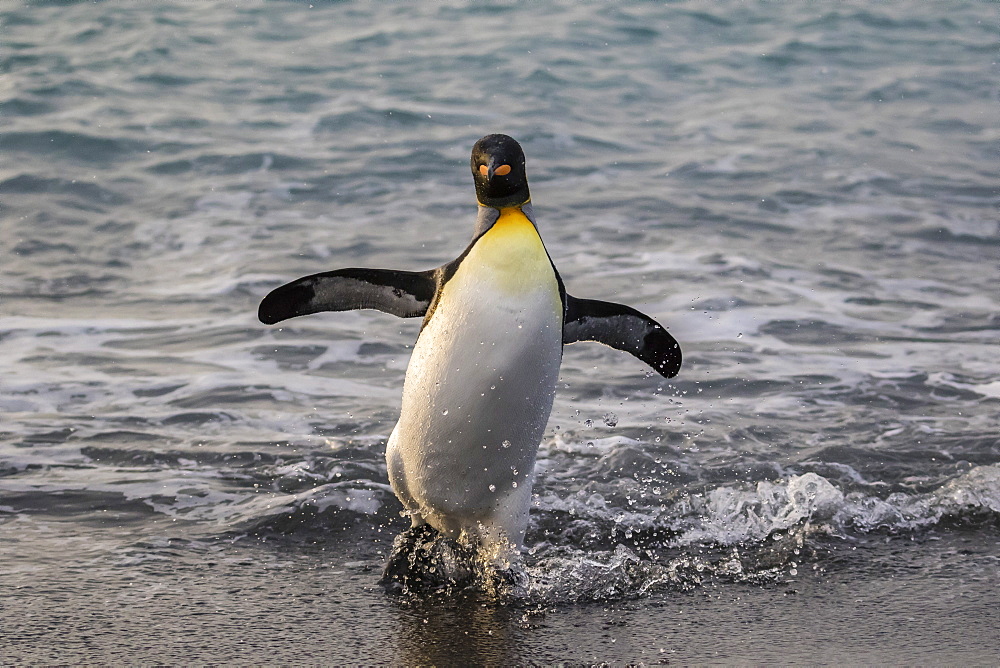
<point>481,379</point>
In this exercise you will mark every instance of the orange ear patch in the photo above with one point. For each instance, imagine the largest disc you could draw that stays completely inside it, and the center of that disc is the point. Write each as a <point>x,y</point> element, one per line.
<point>502,170</point>
<point>483,169</point>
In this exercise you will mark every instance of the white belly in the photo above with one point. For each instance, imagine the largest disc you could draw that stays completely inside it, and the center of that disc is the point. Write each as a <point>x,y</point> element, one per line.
<point>479,387</point>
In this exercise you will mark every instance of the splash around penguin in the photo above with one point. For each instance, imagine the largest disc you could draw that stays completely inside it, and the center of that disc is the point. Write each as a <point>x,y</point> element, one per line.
<point>481,380</point>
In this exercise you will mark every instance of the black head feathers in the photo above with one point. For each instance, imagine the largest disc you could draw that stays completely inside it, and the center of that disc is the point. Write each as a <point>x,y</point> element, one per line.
<point>498,170</point>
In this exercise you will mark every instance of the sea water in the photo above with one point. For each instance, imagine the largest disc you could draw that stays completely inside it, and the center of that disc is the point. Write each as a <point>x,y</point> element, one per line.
<point>805,194</point>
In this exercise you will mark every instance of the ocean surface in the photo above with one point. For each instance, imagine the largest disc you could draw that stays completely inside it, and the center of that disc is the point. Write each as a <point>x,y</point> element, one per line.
<point>807,194</point>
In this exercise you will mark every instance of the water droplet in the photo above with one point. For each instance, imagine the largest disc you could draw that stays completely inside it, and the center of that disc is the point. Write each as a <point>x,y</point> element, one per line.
<point>505,444</point>
<point>493,488</point>
<point>590,444</point>
<point>444,412</point>
<point>588,423</point>
<point>610,419</point>
<point>514,484</point>
<point>740,335</point>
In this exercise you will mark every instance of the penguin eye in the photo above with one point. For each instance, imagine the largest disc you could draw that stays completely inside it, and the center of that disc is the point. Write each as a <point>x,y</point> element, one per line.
<point>502,170</point>
<point>483,169</point>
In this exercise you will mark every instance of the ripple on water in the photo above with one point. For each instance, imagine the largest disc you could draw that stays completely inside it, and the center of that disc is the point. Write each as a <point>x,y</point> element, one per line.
<point>30,184</point>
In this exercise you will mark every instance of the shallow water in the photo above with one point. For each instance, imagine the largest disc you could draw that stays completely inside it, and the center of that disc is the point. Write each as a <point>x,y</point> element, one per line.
<point>805,194</point>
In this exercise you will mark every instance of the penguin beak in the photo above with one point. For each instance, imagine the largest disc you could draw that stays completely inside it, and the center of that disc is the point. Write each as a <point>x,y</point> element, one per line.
<point>497,168</point>
<point>491,169</point>
<point>494,167</point>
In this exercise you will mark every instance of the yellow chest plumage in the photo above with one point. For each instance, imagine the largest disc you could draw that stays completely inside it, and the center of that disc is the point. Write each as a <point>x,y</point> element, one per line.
<point>511,258</point>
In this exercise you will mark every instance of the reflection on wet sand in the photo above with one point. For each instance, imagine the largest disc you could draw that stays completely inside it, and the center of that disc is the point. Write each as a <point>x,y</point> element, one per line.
<point>436,631</point>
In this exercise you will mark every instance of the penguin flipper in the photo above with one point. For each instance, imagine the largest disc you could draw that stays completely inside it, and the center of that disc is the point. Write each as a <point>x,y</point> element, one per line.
<point>623,328</point>
<point>406,294</point>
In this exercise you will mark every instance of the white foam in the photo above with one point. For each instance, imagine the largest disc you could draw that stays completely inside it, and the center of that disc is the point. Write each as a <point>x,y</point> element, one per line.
<point>731,515</point>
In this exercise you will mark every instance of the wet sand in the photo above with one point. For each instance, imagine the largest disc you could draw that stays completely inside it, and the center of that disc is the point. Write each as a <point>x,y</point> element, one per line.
<point>931,600</point>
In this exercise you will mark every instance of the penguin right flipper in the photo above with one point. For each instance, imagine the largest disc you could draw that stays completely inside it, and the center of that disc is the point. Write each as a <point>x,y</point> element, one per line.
<point>622,328</point>
<point>406,294</point>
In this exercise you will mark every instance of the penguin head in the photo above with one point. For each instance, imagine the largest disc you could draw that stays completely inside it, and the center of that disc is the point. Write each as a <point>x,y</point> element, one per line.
<point>498,170</point>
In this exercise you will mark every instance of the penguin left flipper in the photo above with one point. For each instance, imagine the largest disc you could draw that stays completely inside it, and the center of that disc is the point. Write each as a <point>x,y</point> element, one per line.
<point>406,294</point>
<point>622,328</point>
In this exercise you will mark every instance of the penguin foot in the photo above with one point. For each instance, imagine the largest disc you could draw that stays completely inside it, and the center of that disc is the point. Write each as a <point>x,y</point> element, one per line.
<point>504,585</point>
<point>409,557</point>
<point>422,560</point>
